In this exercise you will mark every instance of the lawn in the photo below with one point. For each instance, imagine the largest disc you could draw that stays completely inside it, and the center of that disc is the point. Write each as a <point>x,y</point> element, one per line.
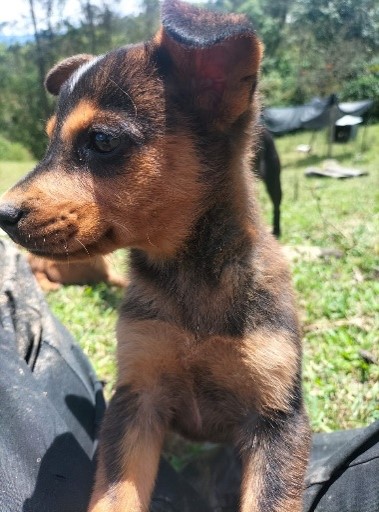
<point>337,294</point>
<point>11,172</point>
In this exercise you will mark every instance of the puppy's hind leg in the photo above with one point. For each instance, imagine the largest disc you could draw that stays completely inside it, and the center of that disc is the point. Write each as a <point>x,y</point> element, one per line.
<point>129,452</point>
<point>274,454</point>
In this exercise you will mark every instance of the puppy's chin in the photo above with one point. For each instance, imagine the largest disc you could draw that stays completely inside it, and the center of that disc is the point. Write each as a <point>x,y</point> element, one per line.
<point>74,250</point>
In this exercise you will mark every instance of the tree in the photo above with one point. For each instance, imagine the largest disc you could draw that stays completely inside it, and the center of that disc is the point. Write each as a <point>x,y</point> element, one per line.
<point>40,58</point>
<point>151,16</point>
<point>312,47</point>
<point>351,20</point>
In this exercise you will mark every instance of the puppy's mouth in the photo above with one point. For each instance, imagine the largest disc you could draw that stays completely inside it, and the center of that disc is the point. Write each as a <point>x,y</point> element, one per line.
<point>59,231</point>
<point>65,245</point>
<point>86,250</point>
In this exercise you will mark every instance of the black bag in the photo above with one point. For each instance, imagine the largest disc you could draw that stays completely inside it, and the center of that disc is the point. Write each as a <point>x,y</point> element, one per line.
<point>51,402</point>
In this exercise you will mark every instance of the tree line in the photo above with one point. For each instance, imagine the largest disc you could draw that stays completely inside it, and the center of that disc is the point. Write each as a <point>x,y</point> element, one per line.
<point>312,48</point>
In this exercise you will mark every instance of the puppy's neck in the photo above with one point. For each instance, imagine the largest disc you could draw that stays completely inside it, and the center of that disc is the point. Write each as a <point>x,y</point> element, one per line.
<point>228,225</point>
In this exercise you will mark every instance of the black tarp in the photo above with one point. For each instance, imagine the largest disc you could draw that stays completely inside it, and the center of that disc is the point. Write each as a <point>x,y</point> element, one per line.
<point>312,116</point>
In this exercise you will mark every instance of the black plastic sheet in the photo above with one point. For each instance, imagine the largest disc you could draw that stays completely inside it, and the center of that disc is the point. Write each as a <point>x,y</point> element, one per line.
<point>312,116</point>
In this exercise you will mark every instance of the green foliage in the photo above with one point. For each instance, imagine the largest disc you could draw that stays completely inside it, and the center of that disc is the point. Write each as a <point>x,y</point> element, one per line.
<point>21,110</point>
<point>364,86</point>
<point>24,105</point>
<point>335,41</point>
<point>13,151</point>
<point>312,48</point>
<point>350,20</point>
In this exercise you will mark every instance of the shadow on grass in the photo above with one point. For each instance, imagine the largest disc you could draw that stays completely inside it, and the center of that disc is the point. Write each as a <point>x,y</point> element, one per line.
<point>315,160</point>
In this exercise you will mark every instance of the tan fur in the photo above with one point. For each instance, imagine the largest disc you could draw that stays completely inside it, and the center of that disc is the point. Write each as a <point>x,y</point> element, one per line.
<point>156,224</point>
<point>50,126</point>
<point>259,369</point>
<point>67,220</point>
<point>253,481</point>
<point>133,492</point>
<point>51,274</point>
<point>78,120</point>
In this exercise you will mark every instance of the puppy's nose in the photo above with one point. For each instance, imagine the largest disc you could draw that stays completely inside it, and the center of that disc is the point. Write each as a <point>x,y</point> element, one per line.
<point>10,215</point>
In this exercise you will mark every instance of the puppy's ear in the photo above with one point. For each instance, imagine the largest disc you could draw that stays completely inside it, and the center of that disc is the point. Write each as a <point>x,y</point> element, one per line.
<point>62,71</point>
<point>214,58</point>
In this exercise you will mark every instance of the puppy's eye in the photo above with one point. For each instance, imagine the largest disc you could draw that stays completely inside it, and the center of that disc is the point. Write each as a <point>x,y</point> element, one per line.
<point>104,142</point>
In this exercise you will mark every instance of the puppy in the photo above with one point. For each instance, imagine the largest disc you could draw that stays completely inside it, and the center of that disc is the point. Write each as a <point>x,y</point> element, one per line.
<point>149,149</point>
<point>52,274</point>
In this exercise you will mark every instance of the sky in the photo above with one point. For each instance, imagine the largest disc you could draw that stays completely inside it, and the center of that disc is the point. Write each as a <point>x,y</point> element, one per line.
<point>16,14</point>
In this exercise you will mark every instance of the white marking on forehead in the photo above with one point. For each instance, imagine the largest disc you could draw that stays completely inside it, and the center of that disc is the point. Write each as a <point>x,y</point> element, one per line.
<point>82,70</point>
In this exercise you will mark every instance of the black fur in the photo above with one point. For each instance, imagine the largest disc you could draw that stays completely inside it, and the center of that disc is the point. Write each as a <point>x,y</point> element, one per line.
<point>122,409</point>
<point>186,26</point>
<point>267,166</point>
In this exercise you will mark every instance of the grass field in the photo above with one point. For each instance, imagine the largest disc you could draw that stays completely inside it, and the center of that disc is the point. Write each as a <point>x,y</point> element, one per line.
<point>337,294</point>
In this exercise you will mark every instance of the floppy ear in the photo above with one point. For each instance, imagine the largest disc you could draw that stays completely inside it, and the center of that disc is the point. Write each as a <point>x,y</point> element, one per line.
<point>215,59</point>
<point>62,71</point>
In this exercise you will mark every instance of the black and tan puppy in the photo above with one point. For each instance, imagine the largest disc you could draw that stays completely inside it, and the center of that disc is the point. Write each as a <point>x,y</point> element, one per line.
<point>149,150</point>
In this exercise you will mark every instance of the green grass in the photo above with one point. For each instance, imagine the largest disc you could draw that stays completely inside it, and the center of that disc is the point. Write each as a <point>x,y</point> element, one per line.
<point>337,297</point>
<point>13,151</point>
<point>10,172</point>
<point>90,313</point>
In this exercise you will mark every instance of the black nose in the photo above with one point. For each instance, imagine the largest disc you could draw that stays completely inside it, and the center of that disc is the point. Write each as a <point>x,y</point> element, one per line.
<point>10,216</point>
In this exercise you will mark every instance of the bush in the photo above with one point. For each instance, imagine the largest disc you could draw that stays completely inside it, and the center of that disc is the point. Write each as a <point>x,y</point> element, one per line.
<point>13,151</point>
<point>364,87</point>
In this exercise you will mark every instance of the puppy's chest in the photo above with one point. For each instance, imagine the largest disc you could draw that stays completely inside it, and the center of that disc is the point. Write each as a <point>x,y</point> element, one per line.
<point>206,383</point>
<point>205,409</point>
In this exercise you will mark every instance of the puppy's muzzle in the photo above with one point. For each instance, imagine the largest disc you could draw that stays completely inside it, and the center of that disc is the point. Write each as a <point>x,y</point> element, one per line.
<point>10,218</point>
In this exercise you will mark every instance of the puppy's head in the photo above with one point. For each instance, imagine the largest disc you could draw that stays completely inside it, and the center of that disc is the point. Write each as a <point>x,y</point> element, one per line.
<point>126,163</point>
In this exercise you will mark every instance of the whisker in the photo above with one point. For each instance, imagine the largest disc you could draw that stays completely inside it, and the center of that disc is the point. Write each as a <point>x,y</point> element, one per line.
<point>126,94</point>
<point>67,253</point>
<point>84,247</point>
<point>121,226</point>
<point>150,242</point>
<point>110,260</point>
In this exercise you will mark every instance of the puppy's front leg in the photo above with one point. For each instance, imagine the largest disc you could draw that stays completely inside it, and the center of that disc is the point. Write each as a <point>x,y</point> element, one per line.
<point>274,457</point>
<point>129,451</point>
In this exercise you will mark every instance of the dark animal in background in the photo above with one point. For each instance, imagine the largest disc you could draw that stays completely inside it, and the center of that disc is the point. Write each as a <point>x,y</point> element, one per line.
<point>149,149</point>
<point>266,165</point>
